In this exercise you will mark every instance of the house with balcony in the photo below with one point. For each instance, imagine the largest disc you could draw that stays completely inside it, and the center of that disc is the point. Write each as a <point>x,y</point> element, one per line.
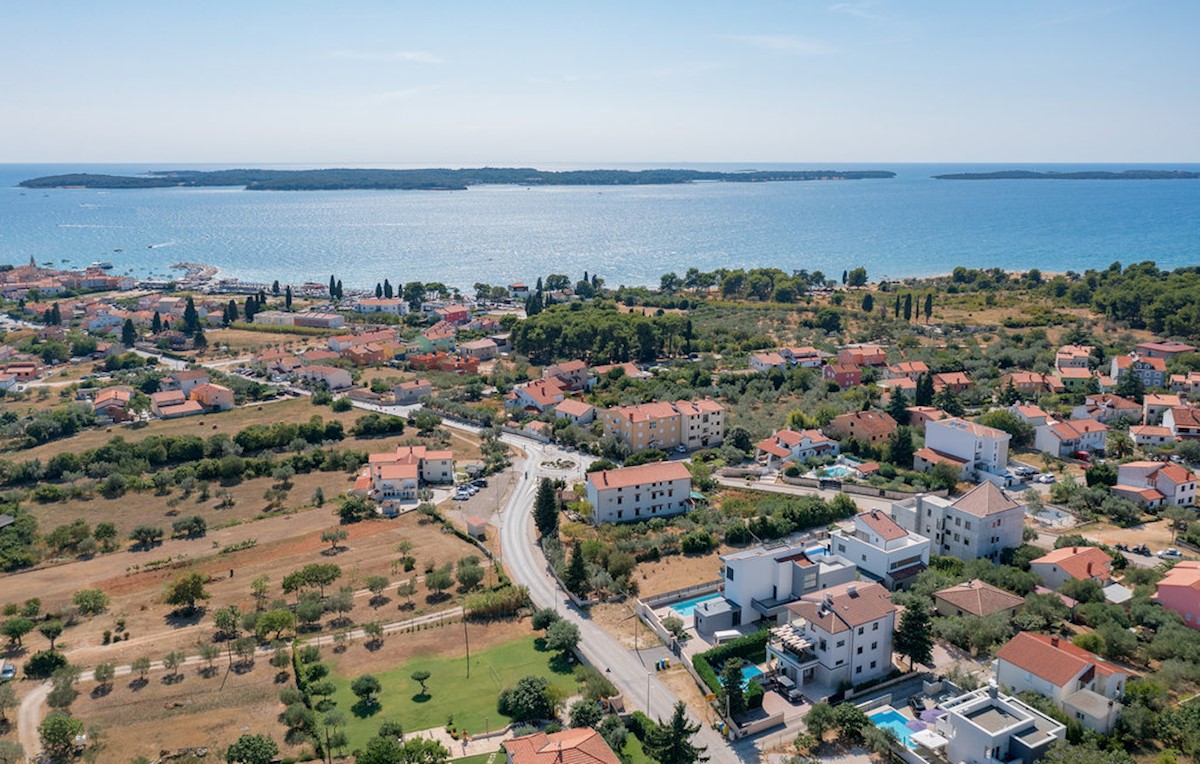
<point>842,635</point>
<point>664,425</point>
<point>1154,405</point>
<point>982,450</point>
<point>1106,407</point>
<point>393,478</point>
<point>1064,438</point>
<point>1183,422</point>
<point>790,444</point>
<point>986,726</point>
<point>1086,687</point>
<point>907,370</point>
<point>844,375</point>
<point>1151,370</point>
<point>767,360</point>
<point>983,522</point>
<point>570,375</point>
<point>1173,484</point>
<point>758,583</point>
<point>882,549</point>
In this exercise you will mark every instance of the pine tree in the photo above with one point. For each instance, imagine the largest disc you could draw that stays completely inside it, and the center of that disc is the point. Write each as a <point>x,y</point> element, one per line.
<point>545,509</point>
<point>908,307</point>
<point>128,333</point>
<point>275,287</point>
<point>924,392</point>
<point>55,315</point>
<point>671,742</point>
<point>156,324</point>
<point>897,407</point>
<point>575,578</point>
<point>1009,395</point>
<point>191,319</point>
<point>900,448</point>
<point>287,298</point>
<point>928,306</point>
<point>914,637</point>
<point>947,401</point>
<point>387,289</point>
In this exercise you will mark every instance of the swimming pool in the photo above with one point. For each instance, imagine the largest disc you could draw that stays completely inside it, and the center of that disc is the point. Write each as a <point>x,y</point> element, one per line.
<point>749,671</point>
<point>816,551</point>
<point>685,608</point>
<point>895,721</point>
<point>838,471</point>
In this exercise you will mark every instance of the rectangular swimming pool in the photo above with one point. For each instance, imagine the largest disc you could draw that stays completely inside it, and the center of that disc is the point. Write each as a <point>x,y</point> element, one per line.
<point>685,608</point>
<point>891,719</point>
<point>749,671</point>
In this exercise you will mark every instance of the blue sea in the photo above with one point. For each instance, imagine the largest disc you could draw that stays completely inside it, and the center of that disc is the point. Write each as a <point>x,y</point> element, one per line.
<point>910,225</point>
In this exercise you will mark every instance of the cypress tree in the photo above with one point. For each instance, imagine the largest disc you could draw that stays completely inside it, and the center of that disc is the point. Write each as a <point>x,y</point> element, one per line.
<point>191,319</point>
<point>128,333</point>
<point>908,307</point>
<point>924,393</point>
<point>897,307</point>
<point>156,324</point>
<point>199,341</point>
<point>868,303</point>
<point>898,407</point>
<point>332,287</point>
<point>287,298</point>
<point>378,290</point>
<point>545,509</point>
<point>914,637</point>
<point>845,277</point>
<point>900,448</point>
<point>233,311</point>
<point>575,578</point>
<point>56,315</point>
<point>275,286</point>
<point>339,289</point>
<point>928,306</point>
<point>387,289</point>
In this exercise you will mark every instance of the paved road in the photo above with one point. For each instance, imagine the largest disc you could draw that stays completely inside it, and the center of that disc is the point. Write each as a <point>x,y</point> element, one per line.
<point>636,680</point>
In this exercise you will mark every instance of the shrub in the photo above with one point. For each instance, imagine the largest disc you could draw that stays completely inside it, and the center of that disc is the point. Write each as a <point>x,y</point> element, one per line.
<point>752,647</point>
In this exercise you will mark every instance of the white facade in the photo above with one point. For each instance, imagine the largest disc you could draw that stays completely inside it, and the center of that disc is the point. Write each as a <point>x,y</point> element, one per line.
<point>984,449</point>
<point>759,582</point>
<point>637,493</point>
<point>882,549</point>
<point>986,727</point>
<point>981,523</point>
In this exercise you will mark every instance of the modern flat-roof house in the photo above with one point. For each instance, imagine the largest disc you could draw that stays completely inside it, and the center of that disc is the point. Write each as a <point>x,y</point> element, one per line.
<point>983,522</point>
<point>977,598</point>
<point>1083,685</point>
<point>986,727</point>
<point>1166,483</point>
<point>790,444</point>
<point>1073,562</point>
<point>984,450</point>
<point>628,494</point>
<point>840,635</point>
<point>1179,592</point>
<point>760,582</point>
<point>882,549</point>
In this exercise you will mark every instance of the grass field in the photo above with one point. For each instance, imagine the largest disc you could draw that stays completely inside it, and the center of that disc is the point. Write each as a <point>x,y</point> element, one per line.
<point>634,753</point>
<point>481,758</point>
<point>472,701</point>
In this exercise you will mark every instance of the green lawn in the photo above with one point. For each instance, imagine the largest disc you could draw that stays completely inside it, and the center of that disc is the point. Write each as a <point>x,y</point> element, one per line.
<point>634,753</point>
<point>471,701</point>
<point>483,758</point>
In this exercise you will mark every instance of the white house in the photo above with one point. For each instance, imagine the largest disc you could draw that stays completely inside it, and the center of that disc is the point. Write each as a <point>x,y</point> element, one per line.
<point>984,449</point>
<point>1183,422</point>
<point>658,489</point>
<point>1073,562</point>
<point>790,444</point>
<point>394,477</point>
<point>985,727</point>
<point>329,376</point>
<point>882,549</point>
<point>1150,435</point>
<point>767,361</point>
<point>840,635</point>
<point>759,582</point>
<point>412,391</point>
<point>1065,438</point>
<point>983,522</point>
<point>1083,685</point>
<point>393,306</point>
<point>1174,485</point>
<point>577,411</point>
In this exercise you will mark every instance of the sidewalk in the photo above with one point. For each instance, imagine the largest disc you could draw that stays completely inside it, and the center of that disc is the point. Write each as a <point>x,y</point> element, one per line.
<point>459,748</point>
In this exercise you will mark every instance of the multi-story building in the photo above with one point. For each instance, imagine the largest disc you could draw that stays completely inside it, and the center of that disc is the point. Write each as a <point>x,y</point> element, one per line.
<point>907,370</point>
<point>658,489</point>
<point>329,376</point>
<point>1065,438</point>
<point>184,381</point>
<point>1149,435</point>
<point>882,549</point>
<point>1086,687</point>
<point>983,449</point>
<point>873,427</point>
<point>760,582</point>
<point>212,397</point>
<point>1073,356</point>
<point>1163,350</point>
<point>393,306</point>
<point>571,375</point>
<point>1153,484</point>
<point>1080,563</point>
<point>393,478</point>
<point>790,444</point>
<point>981,523</point>
<point>842,635</point>
<point>1183,422</point>
<point>1105,407</point>
<point>844,375</point>
<point>538,395</point>
<point>691,424</point>
<point>577,411</point>
<point>1151,370</point>
<point>1154,405</point>
<point>863,355</point>
<point>1185,384</point>
<point>987,727</point>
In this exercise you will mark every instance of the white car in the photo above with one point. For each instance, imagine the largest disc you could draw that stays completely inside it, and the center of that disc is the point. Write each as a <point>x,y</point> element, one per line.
<point>1172,552</point>
<point>1046,478</point>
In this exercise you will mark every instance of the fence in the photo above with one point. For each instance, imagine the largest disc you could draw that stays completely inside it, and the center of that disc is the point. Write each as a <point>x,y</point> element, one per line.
<point>665,598</point>
<point>651,619</point>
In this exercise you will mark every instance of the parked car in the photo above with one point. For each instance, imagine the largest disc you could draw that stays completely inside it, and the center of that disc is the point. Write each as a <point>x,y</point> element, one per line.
<point>1141,549</point>
<point>479,483</point>
<point>1046,478</point>
<point>8,673</point>
<point>1171,553</point>
<point>1082,456</point>
<point>681,449</point>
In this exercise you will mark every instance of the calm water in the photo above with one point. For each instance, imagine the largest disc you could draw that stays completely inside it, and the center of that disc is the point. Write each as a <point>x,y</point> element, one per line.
<point>909,225</point>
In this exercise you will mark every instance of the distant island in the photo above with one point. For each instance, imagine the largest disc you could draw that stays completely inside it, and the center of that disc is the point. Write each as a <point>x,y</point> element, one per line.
<point>1081,175</point>
<point>430,179</point>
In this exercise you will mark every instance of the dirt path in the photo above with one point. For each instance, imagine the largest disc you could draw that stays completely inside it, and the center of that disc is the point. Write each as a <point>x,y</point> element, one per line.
<point>29,716</point>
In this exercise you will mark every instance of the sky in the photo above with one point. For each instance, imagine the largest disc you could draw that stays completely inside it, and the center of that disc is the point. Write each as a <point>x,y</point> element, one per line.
<point>594,83</point>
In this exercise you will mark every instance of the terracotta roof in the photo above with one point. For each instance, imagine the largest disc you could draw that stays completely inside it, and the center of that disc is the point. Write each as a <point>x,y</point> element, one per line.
<point>937,457</point>
<point>396,471</point>
<point>625,477</point>
<point>1185,417</point>
<point>567,367</point>
<point>909,367</point>
<point>184,376</point>
<point>1185,575</point>
<point>1160,399</point>
<point>1031,412</point>
<point>874,424</point>
<point>1056,660</point>
<point>882,524</point>
<point>984,500</point>
<point>845,606</point>
<point>181,409</point>
<point>1149,431</point>
<point>793,438</point>
<point>769,359</point>
<point>1079,562</point>
<point>774,449</point>
<point>952,378</point>
<point>573,746</point>
<point>1166,347</point>
<point>979,598</point>
<point>1108,400</point>
<point>1074,372</point>
<point>1074,429</point>
<point>572,407</point>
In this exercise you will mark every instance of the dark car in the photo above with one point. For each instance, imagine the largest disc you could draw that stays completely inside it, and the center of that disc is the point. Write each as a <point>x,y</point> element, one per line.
<point>479,482</point>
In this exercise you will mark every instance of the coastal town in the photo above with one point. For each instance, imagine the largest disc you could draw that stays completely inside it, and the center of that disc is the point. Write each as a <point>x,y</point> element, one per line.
<point>766,516</point>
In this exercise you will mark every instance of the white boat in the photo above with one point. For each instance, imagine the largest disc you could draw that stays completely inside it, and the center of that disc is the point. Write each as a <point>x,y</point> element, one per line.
<point>106,265</point>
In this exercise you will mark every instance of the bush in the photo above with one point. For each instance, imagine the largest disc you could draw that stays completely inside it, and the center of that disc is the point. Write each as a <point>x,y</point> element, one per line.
<point>752,647</point>
<point>44,663</point>
<point>698,542</point>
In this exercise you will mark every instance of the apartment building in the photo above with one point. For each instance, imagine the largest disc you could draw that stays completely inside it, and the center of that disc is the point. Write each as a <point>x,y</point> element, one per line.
<point>392,478</point>
<point>1065,438</point>
<point>1179,592</point>
<point>1183,422</point>
<point>691,424</point>
<point>760,582</point>
<point>981,523</point>
<point>882,549</point>
<point>873,427</point>
<point>629,494</point>
<point>1152,370</point>
<point>983,449</point>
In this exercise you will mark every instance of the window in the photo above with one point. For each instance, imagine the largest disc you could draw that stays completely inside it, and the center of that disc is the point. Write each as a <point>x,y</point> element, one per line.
<point>841,643</point>
<point>967,525</point>
<point>875,626</point>
<point>858,651</point>
<point>729,573</point>
<point>860,630</point>
<point>874,645</point>
<point>620,513</point>
<point>858,669</point>
<point>873,663</point>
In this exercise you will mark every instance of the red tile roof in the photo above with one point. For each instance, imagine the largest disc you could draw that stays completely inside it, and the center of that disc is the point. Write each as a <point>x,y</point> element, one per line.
<point>1080,562</point>
<point>574,746</point>
<point>625,477</point>
<point>882,524</point>
<point>1054,659</point>
<point>979,598</point>
<point>845,606</point>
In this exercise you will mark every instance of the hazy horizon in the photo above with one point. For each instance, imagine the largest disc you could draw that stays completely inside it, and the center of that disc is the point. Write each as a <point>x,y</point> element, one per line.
<point>384,84</point>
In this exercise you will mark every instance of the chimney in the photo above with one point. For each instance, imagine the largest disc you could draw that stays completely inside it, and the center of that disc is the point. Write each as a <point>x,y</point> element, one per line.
<point>828,599</point>
<point>1054,641</point>
<point>1089,569</point>
<point>852,590</point>
<point>993,691</point>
